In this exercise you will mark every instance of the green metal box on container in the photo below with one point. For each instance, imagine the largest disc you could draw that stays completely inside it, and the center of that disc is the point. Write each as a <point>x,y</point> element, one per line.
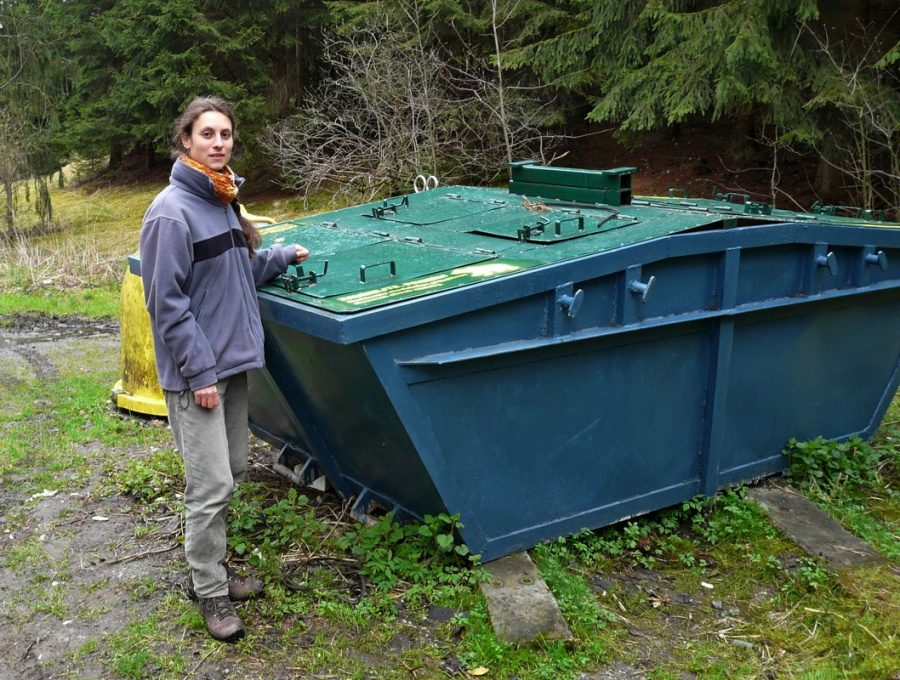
<point>564,355</point>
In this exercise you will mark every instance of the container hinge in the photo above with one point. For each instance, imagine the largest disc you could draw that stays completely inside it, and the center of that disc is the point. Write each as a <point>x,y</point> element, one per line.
<point>490,201</point>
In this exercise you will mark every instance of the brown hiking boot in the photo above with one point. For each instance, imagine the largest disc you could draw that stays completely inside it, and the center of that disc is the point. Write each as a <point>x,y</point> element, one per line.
<point>221,620</point>
<point>239,588</point>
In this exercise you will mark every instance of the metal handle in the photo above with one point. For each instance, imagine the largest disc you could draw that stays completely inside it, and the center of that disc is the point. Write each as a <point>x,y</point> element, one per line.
<point>559,223</point>
<point>878,258</point>
<point>570,304</point>
<point>294,282</point>
<point>828,260</point>
<point>642,289</point>
<point>364,267</point>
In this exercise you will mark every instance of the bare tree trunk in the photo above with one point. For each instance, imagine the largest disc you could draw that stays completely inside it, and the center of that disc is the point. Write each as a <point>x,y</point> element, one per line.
<point>116,156</point>
<point>10,213</point>
<point>827,179</point>
<point>495,30</point>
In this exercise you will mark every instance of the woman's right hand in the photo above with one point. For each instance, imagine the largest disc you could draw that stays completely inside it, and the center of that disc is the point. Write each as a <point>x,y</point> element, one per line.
<point>207,397</point>
<point>302,253</point>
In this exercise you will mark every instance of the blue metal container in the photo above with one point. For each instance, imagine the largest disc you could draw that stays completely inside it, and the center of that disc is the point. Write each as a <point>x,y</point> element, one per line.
<point>563,356</point>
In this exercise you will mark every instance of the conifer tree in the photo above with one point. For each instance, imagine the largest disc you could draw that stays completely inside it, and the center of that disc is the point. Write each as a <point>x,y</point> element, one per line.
<point>32,83</point>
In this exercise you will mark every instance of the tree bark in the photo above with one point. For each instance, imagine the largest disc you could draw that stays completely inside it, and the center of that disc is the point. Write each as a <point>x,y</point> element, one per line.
<point>10,213</point>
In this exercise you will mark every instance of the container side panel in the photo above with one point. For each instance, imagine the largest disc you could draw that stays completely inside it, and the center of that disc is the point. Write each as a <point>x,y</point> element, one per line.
<point>682,285</point>
<point>544,436</point>
<point>772,272</point>
<point>341,406</point>
<point>820,369</point>
<point>271,414</point>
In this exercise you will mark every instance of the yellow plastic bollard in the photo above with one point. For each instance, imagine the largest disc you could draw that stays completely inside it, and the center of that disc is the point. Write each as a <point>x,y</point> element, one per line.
<point>139,389</point>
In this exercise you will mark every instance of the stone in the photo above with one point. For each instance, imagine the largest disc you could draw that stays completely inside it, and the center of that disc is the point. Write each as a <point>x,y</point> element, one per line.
<point>521,606</point>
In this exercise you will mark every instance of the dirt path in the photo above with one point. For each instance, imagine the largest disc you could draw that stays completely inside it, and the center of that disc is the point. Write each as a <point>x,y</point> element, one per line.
<point>72,570</point>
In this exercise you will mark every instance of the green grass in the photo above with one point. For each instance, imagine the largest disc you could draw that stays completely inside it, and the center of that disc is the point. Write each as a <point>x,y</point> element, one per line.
<point>131,657</point>
<point>101,302</point>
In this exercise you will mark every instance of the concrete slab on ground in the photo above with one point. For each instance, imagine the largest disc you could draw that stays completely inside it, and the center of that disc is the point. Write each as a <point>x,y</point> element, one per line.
<point>521,606</point>
<point>813,530</point>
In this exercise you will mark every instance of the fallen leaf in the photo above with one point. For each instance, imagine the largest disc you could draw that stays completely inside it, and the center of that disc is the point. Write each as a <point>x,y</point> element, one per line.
<point>481,670</point>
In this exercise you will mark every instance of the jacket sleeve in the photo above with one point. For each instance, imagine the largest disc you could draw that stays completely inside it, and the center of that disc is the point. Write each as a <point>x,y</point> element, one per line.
<point>166,261</point>
<point>270,262</point>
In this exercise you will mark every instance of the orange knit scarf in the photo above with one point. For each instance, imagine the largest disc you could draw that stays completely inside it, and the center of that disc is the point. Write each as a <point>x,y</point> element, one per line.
<point>223,180</point>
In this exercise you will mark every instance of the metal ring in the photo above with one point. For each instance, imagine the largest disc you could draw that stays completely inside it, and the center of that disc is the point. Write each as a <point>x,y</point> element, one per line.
<point>423,183</point>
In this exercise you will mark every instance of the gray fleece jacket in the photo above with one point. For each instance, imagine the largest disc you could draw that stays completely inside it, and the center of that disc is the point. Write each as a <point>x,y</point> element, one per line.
<point>199,284</point>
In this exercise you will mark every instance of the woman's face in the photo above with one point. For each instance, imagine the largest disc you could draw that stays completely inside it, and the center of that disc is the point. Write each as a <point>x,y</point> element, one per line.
<point>210,140</point>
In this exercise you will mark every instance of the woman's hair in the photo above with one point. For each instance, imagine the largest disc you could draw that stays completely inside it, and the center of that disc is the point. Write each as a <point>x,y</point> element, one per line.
<point>185,126</point>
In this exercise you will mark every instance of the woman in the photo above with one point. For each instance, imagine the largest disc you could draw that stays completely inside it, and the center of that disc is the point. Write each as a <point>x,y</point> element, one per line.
<point>200,267</point>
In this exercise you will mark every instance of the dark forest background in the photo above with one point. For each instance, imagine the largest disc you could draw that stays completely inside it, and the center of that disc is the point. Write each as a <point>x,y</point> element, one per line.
<point>359,97</point>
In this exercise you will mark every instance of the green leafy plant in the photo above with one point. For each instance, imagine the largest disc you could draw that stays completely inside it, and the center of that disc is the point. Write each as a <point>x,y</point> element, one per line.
<point>730,516</point>
<point>442,528</point>
<point>809,576</point>
<point>829,468</point>
<point>391,552</point>
<point>158,475</point>
<point>261,529</point>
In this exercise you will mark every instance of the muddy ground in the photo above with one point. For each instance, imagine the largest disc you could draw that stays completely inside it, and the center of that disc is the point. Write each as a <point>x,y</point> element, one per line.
<point>91,561</point>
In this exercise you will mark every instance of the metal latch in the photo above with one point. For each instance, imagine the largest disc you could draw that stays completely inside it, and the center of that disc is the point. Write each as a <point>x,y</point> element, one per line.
<point>526,232</point>
<point>850,210</point>
<point>378,212</point>
<point>294,282</point>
